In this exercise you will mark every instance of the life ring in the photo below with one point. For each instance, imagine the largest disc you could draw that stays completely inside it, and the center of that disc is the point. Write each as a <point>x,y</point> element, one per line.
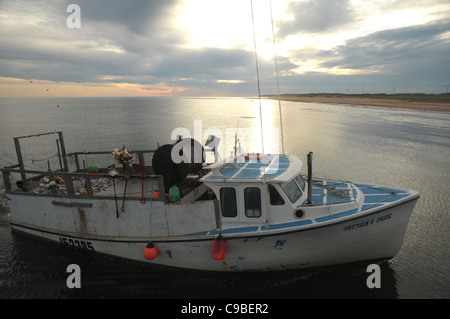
<point>253,156</point>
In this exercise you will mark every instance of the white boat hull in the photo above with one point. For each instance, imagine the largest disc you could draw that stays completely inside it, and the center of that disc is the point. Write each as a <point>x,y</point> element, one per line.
<point>378,234</point>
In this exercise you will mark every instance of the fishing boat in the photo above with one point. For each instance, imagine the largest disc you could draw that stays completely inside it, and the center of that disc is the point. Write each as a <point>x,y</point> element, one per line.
<point>252,212</point>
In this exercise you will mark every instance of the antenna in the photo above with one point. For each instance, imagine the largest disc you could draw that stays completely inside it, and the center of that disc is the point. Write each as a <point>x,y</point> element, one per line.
<point>278,82</point>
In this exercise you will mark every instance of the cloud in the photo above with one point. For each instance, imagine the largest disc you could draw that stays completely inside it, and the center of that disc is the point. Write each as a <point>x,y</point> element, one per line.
<point>397,51</point>
<point>142,45</point>
<point>412,59</point>
<point>206,63</point>
<point>116,38</point>
<point>139,16</point>
<point>119,42</point>
<point>317,16</point>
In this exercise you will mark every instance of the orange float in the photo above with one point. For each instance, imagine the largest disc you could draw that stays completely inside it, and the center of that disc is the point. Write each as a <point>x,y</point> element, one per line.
<point>218,248</point>
<point>150,251</point>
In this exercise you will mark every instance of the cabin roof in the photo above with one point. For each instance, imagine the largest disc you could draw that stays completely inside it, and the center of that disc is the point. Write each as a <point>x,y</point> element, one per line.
<point>275,167</point>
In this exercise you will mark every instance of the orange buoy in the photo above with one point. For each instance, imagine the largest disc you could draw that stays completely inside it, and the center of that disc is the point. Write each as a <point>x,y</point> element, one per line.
<point>150,251</point>
<point>218,248</point>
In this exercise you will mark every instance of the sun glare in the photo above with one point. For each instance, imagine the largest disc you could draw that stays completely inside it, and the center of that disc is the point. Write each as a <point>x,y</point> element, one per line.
<point>210,23</point>
<point>225,24</point>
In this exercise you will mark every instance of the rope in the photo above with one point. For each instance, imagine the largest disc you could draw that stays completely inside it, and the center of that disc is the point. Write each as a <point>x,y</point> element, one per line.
<point>150,212</point>
<point>390,191</point>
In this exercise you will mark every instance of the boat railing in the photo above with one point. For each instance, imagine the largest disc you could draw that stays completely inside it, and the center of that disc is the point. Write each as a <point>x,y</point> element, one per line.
<point>30,180</point>
<point>140,156</point>
<point>73,168</point>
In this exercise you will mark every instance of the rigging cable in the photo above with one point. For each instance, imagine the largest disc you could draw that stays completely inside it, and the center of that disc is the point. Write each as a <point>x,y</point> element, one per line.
<point>278,82</point>
<point>257,75</point>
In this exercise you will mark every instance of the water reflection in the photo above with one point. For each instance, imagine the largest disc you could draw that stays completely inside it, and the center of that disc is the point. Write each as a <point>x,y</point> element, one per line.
<point>268,128</point>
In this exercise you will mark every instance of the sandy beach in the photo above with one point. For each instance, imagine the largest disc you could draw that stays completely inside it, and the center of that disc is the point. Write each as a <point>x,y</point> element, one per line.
<point>440,105</point>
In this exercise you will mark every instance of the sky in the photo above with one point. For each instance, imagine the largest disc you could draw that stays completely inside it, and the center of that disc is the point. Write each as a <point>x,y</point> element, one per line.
<point>49,48</point>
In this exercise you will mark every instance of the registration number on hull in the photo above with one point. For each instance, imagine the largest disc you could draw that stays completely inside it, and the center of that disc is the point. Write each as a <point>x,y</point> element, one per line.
<point>77,243</point>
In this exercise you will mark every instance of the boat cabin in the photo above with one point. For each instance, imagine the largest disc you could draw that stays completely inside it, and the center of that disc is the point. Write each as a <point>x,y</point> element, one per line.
<point>258,190</point>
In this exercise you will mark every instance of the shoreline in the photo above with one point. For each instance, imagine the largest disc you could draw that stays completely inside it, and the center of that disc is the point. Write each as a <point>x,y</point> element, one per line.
<point>402,103</point>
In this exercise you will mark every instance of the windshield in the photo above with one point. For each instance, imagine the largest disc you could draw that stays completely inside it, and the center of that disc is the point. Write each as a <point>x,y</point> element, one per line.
<point>292,191</point>
<point>301,182</point>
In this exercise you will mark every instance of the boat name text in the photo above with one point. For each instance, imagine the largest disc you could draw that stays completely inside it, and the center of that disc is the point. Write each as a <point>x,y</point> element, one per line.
<point>368,223</point>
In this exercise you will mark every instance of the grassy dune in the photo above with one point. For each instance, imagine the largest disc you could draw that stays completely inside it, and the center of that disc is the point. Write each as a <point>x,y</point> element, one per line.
<point>416,101</point>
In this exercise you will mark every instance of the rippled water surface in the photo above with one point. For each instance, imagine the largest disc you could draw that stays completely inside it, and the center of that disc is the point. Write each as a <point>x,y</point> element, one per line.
<point>409,149</point>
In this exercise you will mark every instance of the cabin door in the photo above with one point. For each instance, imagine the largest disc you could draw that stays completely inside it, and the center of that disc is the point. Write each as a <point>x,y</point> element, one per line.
<point>252,203</point>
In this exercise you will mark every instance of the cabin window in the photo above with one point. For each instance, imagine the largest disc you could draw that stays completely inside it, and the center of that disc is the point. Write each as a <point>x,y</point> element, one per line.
<point>292,191</point>
<point>300,181</point>
<point>252,200</point>
<point>275,197</point>
<point>228,202</point>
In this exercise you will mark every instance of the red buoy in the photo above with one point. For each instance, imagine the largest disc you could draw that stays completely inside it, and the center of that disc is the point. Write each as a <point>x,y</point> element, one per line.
<point>218,248</point>
<point>156,194</point>
<point>150,251</point>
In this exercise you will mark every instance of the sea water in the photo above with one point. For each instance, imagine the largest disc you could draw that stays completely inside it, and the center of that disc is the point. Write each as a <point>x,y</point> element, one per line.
<point>396,147</point>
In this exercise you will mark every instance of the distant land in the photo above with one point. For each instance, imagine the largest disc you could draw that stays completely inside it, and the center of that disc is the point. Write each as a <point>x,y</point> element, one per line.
<point>414,101</point>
